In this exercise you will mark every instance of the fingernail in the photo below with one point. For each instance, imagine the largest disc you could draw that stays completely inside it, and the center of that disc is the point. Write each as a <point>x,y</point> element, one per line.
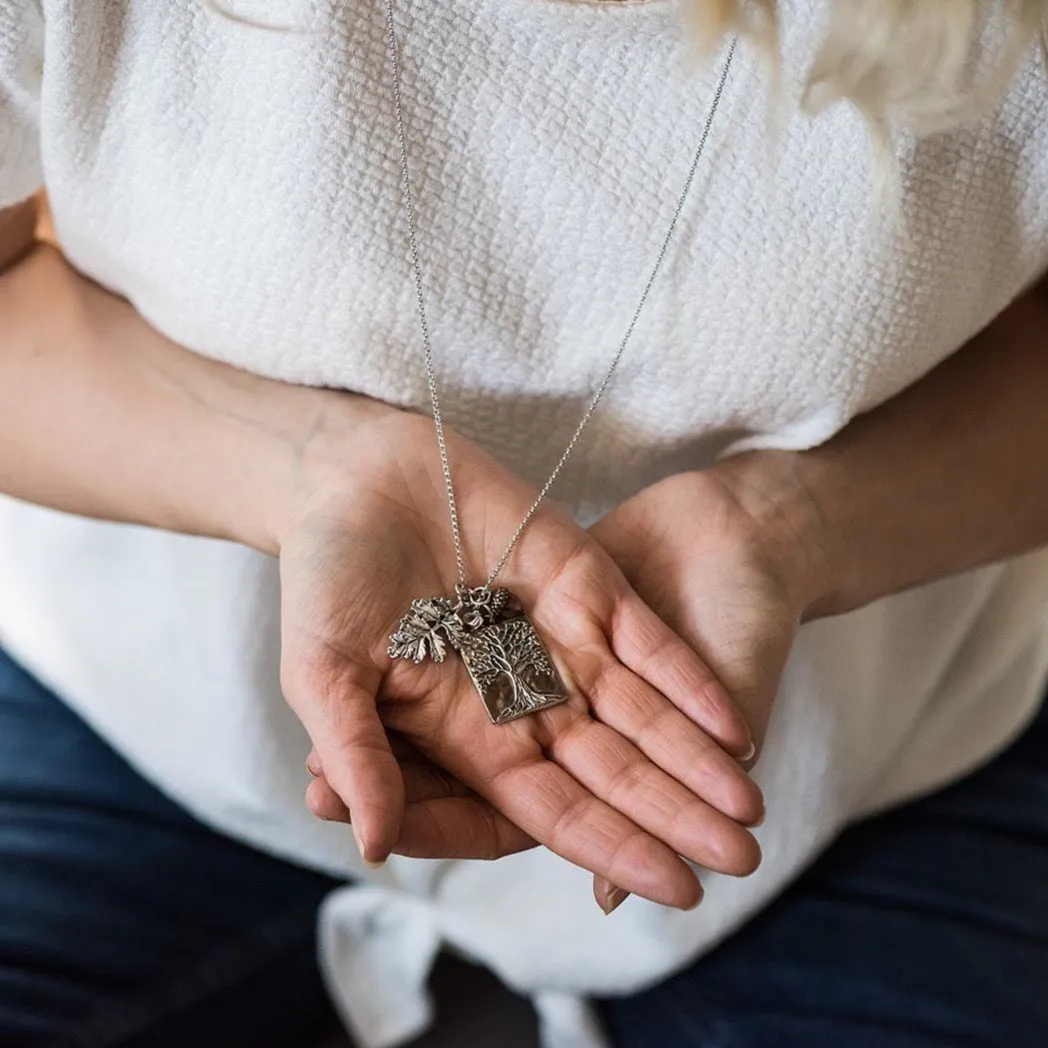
<point>749,754</point>
<point>313,765</point>
<point>613,900</point>
<point>369,864</point>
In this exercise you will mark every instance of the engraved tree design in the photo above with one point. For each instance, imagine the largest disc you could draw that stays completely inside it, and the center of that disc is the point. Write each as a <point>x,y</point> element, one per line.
<point>512,670</point>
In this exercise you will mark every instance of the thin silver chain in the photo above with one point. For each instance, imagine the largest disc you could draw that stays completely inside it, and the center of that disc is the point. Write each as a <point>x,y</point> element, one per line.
<point>409,202</point>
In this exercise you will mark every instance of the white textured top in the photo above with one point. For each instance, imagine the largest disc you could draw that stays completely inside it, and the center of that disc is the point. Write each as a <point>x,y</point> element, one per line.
<point>240,187</point>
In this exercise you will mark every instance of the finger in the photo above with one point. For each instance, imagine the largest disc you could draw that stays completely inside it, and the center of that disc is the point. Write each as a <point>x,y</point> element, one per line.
<point>436,828</point>
<point>337,709</point>
<point>325,803</point>
<point>423,780</point>
<point>609,896</point>
<point>459,828</point>
<point>672,741</point>
<point>605,763</point>
<point>646,645</point>
<point>557,811</point>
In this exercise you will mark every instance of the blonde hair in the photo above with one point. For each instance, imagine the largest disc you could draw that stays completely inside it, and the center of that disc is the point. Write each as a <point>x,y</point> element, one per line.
<point>902,63</point>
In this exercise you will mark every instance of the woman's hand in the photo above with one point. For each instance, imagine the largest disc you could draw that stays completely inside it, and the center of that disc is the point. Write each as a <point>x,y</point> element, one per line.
<point>443,819</point>
<point>726,568</point>
<point>632,772</point>
<point>701,552</point>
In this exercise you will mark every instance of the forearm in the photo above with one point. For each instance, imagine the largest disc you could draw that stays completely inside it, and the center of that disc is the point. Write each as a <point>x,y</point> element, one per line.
<point>950,474</point>
<point>102,416</point>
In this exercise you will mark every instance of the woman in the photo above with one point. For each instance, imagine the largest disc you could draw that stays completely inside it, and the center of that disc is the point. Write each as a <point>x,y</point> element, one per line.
<point>221,365</point>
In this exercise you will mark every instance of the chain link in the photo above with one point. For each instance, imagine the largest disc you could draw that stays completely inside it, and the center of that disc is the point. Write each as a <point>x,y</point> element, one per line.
<point>438,421</point>
<point>409,204</point>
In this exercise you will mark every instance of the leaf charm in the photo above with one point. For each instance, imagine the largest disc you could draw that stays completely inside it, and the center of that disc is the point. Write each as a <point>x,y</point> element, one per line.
<point>426,631</point>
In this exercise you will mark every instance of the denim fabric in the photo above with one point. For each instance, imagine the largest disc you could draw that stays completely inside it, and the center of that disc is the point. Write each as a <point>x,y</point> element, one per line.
<point>124,922</point>
<point>924,928</point>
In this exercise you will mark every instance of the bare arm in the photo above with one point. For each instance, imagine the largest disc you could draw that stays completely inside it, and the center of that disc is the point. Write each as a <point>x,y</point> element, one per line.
<point>950,474</point>
<point>103,416</point>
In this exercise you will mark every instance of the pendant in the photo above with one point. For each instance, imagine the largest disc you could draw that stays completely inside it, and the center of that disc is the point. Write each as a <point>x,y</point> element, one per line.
<point>503,652</point>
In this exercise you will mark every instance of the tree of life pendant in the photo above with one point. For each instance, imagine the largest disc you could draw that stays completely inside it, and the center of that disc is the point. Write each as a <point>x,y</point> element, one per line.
<point>502,651</point>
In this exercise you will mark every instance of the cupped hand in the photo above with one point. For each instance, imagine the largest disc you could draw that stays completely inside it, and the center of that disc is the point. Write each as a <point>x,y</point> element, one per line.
<point>443,818</point>
<point>709,554</point>
<point>718,573</point>
<point>634,771</point>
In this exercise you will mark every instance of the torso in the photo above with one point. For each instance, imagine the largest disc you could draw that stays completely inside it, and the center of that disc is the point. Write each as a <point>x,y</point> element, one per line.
<point>243,191</point>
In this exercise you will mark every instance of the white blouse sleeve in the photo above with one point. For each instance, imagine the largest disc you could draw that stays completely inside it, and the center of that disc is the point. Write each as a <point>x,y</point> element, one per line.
<point>21,68</point>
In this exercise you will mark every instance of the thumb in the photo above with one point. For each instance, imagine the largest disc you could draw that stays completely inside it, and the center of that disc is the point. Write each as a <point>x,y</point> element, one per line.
<point>337,709</point>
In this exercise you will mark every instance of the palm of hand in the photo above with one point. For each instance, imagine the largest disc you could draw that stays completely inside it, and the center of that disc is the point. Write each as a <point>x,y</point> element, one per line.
<point>623,778</point>
<point>692,553</point>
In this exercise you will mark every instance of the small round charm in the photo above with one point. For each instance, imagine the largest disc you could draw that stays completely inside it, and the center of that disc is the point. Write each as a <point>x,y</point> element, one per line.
<point>481,605</point>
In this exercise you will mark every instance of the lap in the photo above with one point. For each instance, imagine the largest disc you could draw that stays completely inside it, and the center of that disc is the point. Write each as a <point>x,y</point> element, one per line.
<point>123,921</point>
<point>926,927</point>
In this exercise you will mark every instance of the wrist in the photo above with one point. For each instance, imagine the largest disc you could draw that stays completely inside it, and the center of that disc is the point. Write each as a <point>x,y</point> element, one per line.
<point>256,445</point>
<point>140,430</point>
<point>332,440</point>
<point>788,528</point>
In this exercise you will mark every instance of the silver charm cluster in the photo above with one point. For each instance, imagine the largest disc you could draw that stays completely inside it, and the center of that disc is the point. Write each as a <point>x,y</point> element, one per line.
<point>434,624</point>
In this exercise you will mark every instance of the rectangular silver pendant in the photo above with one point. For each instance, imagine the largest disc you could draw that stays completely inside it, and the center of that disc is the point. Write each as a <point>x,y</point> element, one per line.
<point>511,669</point>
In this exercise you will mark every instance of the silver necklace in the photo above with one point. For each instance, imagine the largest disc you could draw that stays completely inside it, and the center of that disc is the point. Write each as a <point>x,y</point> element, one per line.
<point>501,649</point>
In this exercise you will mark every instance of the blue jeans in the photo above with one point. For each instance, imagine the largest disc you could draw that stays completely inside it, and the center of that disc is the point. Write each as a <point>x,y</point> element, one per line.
<point>124,922</point>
